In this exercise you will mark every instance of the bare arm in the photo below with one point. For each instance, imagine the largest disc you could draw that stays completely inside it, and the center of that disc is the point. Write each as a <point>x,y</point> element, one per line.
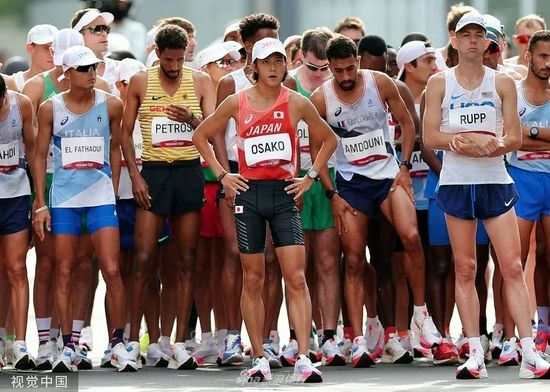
<point>432,137</point>
<point>408,99</point>
<point>226,87</point>
<point>428,155</point>
<point>27,116</point>
<point>115,108</point>
<point>102,84</point>
<point>544,134</point>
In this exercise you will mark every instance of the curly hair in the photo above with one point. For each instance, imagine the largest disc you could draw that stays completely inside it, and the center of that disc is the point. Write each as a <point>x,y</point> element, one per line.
<point>250,25</point>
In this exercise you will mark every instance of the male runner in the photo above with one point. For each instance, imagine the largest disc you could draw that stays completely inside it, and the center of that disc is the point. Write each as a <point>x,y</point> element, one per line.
<point>171,101</point>
<point>368,179</point>
<point>81,123</point>
<point>266,191</point>
<point>525,27</point>
<point>467,108</point>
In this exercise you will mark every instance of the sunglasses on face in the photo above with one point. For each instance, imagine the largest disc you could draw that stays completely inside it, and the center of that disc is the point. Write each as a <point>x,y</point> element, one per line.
<point>97,30</point>
<point>225,63</point>
<point>86,68</point>
<point>523,38</point>
<point>315,68</point>
<point>493,48</point>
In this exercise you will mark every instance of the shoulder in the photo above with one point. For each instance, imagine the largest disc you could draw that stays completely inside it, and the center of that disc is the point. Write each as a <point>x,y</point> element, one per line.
<point>112,100</point>
<point>290,82</point>
<point>504,79</point>
<point>436,81</point>
<point>200,76</point>
<point>228,81</point>
<point>23,100</point>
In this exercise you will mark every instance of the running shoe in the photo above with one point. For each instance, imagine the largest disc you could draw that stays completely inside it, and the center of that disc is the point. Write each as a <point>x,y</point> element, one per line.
<point>473,368</point>
<point>165,346</point>
<point>274,346</point>
<point>192,345</point>
<point>260,371</point>
<point>81,359</point>
<point>423,326</point>
<point>486,345</point>
<point>86,338</point>
<point>2,354</point>
<point>9,351</point>
<point>394,352</point>
<point>22,360</point>
<point>332,356</point>
<point>64,363</point>
<point>463,347</point>
<point>419,351</point>
<point>125,359</point>
<point>304,371</point>
<point>344,346</point>
<point>181,360</point>
<point>374,336</point>
<point>156,357</point>
<point>134,348</point>
<point>272,358</point>
<point>289,353</point>
<point>534,367</point>
<point>233,351</point>
<point>445,354</point>
<point>497,337</point>
<point>510,354</point>
<point>541,341</point>
<point>44,360</point>
<point>105,362</point>
<point>314,352</point>
<point>360,356</point>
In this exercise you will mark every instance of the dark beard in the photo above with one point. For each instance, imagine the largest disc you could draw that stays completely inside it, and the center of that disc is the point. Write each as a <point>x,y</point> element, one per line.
<point>536,75</point>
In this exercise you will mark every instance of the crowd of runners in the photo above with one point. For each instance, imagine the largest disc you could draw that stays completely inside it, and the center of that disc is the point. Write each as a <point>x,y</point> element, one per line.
<point>364,177</point>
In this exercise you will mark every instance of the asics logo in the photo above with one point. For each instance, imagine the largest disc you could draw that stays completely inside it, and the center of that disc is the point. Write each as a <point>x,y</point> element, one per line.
<point>522,111</point>
<point>64,121</point>
<point>338,111</point>
<point>248,118</point>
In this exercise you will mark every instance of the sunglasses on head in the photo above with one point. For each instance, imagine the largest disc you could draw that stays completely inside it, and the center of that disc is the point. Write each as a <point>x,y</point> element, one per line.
<point>523,38</point>
<point>315,68</point>
<point>97,30</point>
<point>86,68</point>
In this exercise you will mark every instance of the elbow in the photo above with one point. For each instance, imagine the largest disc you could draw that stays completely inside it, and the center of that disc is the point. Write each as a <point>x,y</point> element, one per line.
<point>515,142</point>
<point>426,143</point>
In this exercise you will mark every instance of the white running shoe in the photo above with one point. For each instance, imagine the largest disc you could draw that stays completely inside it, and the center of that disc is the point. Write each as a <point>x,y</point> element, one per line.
<point>344,346</point>
<point>181,360</point>
<point>275,342</point>
<point>510,354</point>
<point>497,338</point>
<point>304,371</point>
<point>289,353</point>
<point>314,352</point>
<point>394,352</point>
<point>165,346</point>
<point>360,356</point>
<point>260,371</point>
<point>192,345</point>
<point>81,359</point>
<point>534,367</point>
<point>106,358</point>
<point>419,351</point>
<point>332,356</point>
<point>272,358</point>
<point>22,360</point>
<point>125,358</point>
<point>9,352</point>
<point>423,326</point>
<point>86,338</point>
<point>156,357</point>
<point>486,345</point>
<point>206,351</point>
<point>64,363</point>
<point>473,368</point>
<point>44,360</point>
<point>374,336</point>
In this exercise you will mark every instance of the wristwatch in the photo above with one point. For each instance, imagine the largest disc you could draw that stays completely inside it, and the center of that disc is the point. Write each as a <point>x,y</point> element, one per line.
<point>533,132</point>
<point>331,192</point>
<point>313,174</point>
<point>406,163</point>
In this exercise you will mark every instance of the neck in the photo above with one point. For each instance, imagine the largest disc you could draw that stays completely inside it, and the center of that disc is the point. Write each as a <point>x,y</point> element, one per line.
<point>416,89</point>
<point>81,95</point>
<point>268,91</point>
<point>470,69</point>
<point>32,71</point>
<point>535,83</point>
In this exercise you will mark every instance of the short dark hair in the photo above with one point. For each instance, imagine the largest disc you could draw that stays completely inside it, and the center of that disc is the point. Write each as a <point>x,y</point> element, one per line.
<point>171,37</point>
<point>255,75</point>
<point>341,47</point>
<point>178,21</point>
<point>373,45</point>
<point>541,35</point>
<point>2,87</point>
<point>250,25</point>
<point>315,41</point>
<point>351,22</point>
<point>79,14</point>
<point>414,37</point>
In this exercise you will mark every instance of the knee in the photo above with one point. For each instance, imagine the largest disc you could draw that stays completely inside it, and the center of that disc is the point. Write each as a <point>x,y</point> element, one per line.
<point>142,258</point>
<point>512,271</point>
<point>355,265</point>
<point>253,283</point>
<point>186,264</point>
<point>296,282</point>
<point>111,273</point>
<point>327,268</point>
<point>411,240</point>
<point>465,270</point>
<point>17,271</point>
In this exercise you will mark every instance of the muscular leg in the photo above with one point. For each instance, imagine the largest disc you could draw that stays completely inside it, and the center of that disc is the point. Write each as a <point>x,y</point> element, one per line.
<point>65,253</point>
<point>272,289</point>
<point>401,293</point>
<point>164,295</point>
<point>187,237</point>
<point>202,291</point>
<point>216,262</point>
<point>482,256</point>
<point>252,305</point>
<point>44,278</point>
<point>81,292</point>
<point>438,270</point>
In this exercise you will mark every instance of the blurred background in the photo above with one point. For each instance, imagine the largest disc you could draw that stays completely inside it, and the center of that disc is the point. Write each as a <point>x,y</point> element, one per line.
<point>391,19</point>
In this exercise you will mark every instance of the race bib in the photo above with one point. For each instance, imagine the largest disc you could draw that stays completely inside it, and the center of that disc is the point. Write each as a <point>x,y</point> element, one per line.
<point>474,118</point>
<point>419,167</point>
<point>303,134</point>
<point>169,133</point>
<point>366,148</point>
<point>9,156</point>
<point>268,150</point>
<point>82,152</point>
<point>532,155</point>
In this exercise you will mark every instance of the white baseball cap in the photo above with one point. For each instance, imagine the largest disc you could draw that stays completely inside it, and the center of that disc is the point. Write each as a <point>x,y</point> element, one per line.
<point>63,40</point>
<point>41,34</point>
<point>128,68</point>
<point>92,15</point>
<point>291,39</point>
<point>78,55</point>
<point>231,28</point>
<point>493,24</point>
<point>470,18</point>
<point>151,34</point>
<point>411,51</point>
<point>267,46</point>
<point>219,51</point>
<point>151,58</point>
